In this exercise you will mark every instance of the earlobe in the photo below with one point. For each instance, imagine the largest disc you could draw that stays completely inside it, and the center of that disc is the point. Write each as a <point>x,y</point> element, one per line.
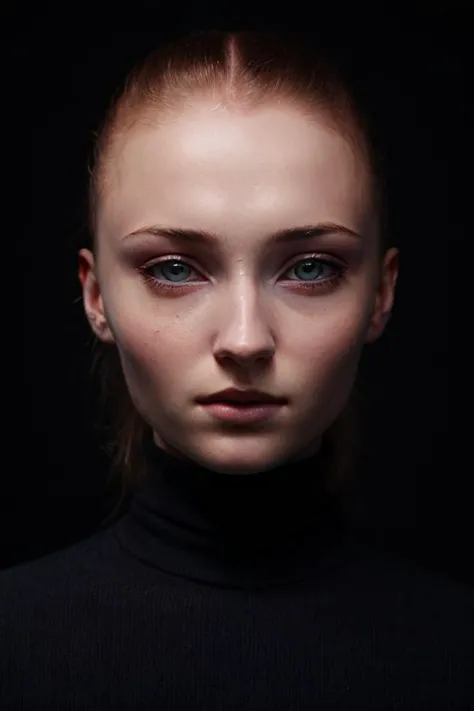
<point>383,305</point>
<point>100,328</point>
<point>91,297</point>
<point>377,325</point>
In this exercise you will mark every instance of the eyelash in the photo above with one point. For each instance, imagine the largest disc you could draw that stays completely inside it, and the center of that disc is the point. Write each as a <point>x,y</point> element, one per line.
<point>319,286</point>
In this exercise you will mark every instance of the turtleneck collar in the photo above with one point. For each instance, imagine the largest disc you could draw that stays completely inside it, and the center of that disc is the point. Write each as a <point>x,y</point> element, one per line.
<point>240,531</point>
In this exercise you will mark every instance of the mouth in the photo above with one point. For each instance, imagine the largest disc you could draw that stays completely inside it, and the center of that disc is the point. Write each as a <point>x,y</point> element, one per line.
<point>242,398</point>
<point>245,403</point>
<point>242,412</point>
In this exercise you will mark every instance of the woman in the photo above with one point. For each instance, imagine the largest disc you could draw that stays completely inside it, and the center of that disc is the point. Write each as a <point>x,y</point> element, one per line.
<point>239,263</point>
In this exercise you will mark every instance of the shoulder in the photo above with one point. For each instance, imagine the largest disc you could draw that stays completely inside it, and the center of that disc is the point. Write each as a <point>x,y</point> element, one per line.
<point>409,592</point>
<point>49,576</point>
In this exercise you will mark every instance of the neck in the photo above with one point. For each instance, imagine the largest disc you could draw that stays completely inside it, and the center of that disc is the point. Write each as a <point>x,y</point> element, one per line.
<point>261,527</point>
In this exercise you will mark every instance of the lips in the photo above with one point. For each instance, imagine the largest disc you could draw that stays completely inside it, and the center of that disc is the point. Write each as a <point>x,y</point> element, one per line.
<point>244,403</point>
<point>249,397</point>
<point>243,414</point>
<point>239,403</point>
<point>241,400</point>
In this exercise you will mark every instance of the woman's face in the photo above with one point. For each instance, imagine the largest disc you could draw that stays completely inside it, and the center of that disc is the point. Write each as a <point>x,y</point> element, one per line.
<point>241,308</point>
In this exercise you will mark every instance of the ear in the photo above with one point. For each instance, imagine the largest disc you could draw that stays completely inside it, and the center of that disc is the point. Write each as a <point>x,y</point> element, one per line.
<point>91,297</point>
<point>385,295</point>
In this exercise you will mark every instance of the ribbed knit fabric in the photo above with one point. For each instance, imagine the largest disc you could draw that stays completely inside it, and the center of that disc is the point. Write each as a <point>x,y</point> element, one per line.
<point>230,593</point>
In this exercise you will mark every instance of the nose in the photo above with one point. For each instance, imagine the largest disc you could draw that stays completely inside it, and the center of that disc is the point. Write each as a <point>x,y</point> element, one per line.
<point>246,334</point>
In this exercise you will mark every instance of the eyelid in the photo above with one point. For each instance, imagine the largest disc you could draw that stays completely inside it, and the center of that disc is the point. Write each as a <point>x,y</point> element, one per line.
<point>324,286</point>
<point>325,258</point>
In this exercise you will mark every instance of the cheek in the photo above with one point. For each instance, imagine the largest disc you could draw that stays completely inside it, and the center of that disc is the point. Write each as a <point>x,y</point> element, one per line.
<point>323,348</point>
<point>151,369</point>
<point>151,352</point>
<point>332,336</point>
<point>326,358</point>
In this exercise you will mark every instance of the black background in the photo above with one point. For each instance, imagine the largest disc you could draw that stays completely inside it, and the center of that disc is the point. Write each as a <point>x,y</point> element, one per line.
<point>60,68</point>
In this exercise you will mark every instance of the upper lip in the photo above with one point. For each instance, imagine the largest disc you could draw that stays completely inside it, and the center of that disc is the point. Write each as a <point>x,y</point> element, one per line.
<point>235,395</point>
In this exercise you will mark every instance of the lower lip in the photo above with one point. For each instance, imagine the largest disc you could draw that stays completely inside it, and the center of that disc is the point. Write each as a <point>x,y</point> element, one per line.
<point>231,412</point>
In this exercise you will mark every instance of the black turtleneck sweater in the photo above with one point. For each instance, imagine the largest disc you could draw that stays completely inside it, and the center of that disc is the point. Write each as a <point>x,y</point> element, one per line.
<point>220,592</point>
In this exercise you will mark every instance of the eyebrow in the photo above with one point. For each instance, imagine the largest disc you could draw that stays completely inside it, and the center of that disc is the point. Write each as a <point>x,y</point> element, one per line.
<point>211,238</point>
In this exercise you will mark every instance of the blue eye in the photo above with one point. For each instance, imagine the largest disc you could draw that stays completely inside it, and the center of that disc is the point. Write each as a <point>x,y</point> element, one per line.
<point>311,268</point>
<point>175,267</point>
<point>306,271</point>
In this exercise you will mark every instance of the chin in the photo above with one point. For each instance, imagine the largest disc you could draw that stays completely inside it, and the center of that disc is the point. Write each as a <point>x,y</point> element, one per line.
<point>241,457</point>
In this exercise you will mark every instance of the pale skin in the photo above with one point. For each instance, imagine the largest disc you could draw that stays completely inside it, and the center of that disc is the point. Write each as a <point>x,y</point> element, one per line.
<point>238,317</point>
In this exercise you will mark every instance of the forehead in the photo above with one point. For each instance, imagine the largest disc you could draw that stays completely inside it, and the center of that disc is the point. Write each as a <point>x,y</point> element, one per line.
<point>217,165</point>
